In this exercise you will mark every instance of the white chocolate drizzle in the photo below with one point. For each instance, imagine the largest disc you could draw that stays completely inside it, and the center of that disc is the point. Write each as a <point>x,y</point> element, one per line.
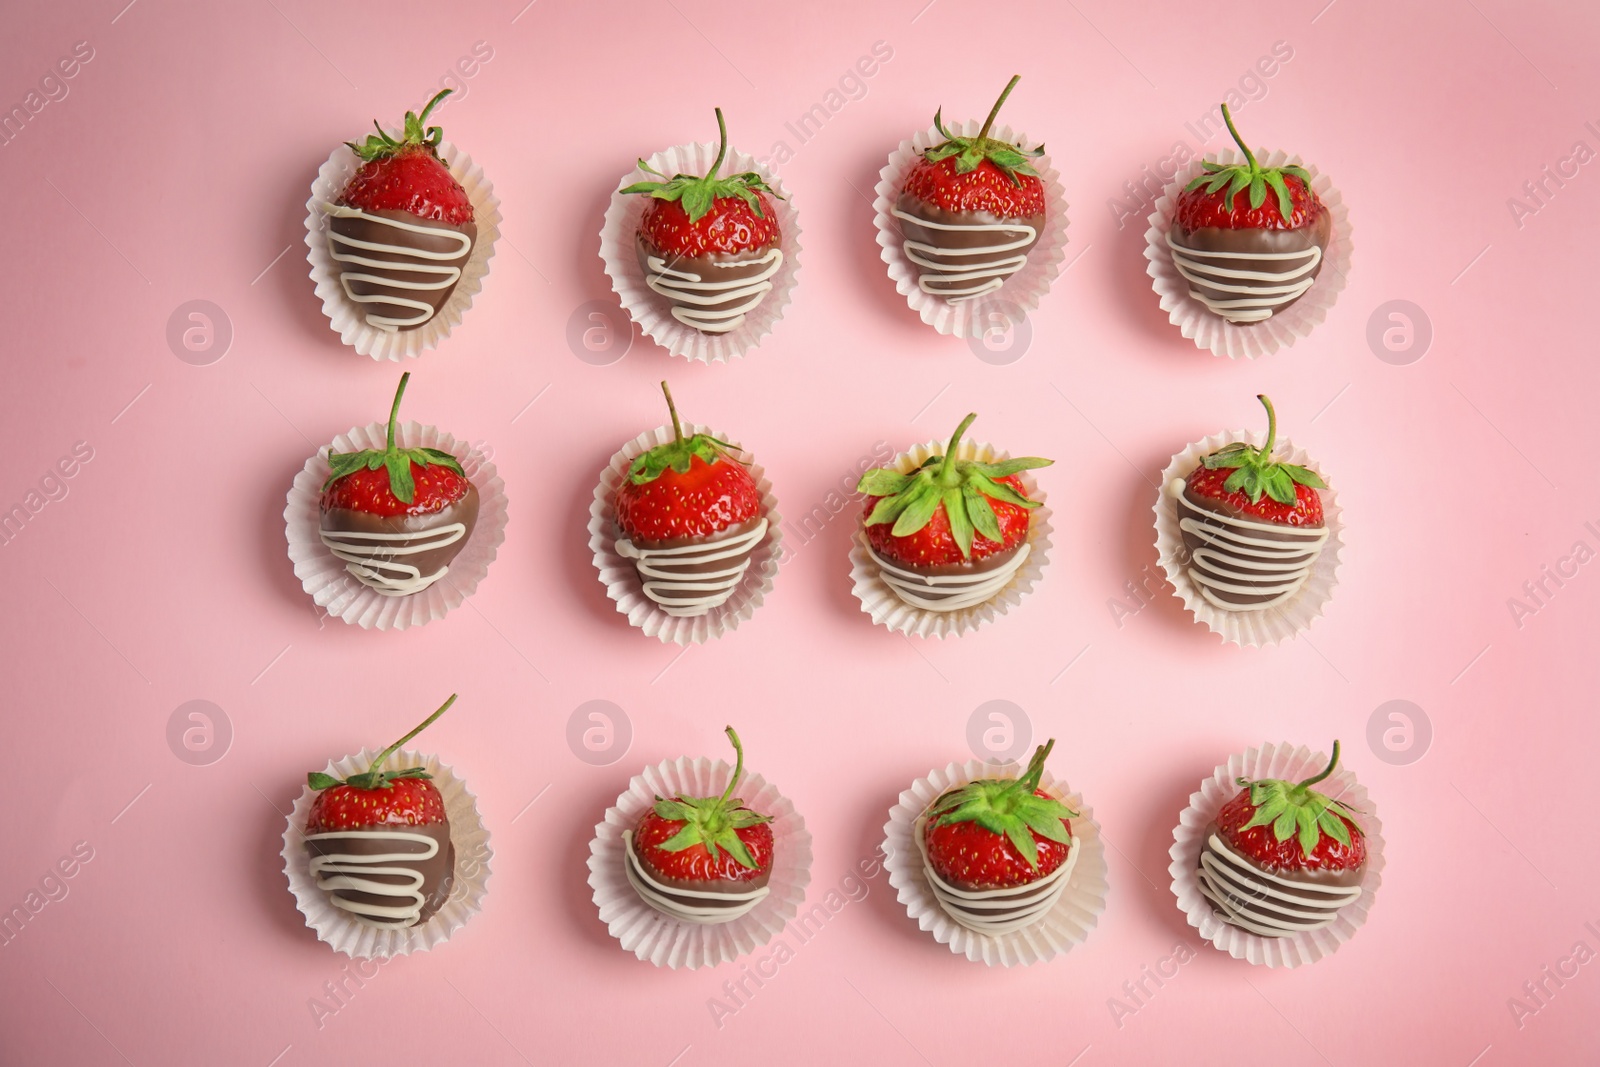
<point>342,870</point>
<point>1246,558</point>
<point>346,251</point>
<point>1263,903</point>
<point>371,556</point>
<point>670,582</point>
<point>946,592</point>
<point>681,904</point>
<point>694,298</point>
<point>997,911</point>
<point>951,281</point>
<point>1260,292</point>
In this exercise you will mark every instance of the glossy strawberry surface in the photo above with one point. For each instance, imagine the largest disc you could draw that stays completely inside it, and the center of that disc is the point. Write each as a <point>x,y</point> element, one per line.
<point>1261,845</point>
<point>1305,511</point>
<point>370,491</point>
<point>403,802</point>
<point>708,497</point>
<point>695,863</point>
<point>934,545</point>
<point>413,180</point>
<point>985,188</point>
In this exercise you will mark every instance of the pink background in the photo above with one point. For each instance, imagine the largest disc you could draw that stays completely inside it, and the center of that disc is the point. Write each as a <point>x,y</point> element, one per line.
<point>176,168</point>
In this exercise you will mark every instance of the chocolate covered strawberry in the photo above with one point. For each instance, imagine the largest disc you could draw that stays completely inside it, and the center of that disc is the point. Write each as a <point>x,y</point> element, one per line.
<point>996,833</point>
<point>970,210</point>
<point>379,841</point>
<point>1282,858</point>
<point>690,515</point>
<point>1252,524</point>
<point>709,244</point>
<point>952,532</point>
<point>705,858</point>
<point>1249,239</point>
<point>397,516</point>
<point>403,227</point>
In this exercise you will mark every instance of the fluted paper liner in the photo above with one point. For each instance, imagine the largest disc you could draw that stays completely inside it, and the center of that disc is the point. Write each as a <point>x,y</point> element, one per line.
<point>1065,926</point>
<point>1292,764</point>
<point>1021,292</point>
<point>1205,327</point>
<point>667,942</point>
<point>653,312</point>
<point>339,592</point>
<point>621,577</point>
<point>885,606</point>
<point>1268,626</point>
<point>344,315</point>
<point>473,856</point>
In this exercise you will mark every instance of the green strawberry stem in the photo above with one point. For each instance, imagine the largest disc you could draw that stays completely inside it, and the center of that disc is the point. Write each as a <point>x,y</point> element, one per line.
<point>1315,778</point>
<point>1010,808</point>
<point>738,763</point>
<point>722,146</point>
<point>1227,117</point>
<point>994,112</point>
<point>672,409</point>
<point>374,777</point>
<point>394,410</point>
<point>948,474</point>
<point>414,134</point>
<point>1030,779</point>
<point>1272,426</point>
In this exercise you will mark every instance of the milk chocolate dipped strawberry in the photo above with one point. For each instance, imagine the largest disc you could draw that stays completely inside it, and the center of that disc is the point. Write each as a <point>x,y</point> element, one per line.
<point>702,859</point>
<point>709,244</point>
<point>970,210</point>
<point>690,515</point>
<point>1282,858</point>
<point>403,227</point>
<point>998,851</point>
<point>379,841</point>
<point>1249,239</point>
<point>397,516</point>
<point>1252,524</point>
<point>952,532</point>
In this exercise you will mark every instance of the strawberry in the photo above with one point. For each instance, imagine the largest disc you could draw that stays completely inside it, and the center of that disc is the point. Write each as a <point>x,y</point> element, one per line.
<point>706,839</point>
<point>996,833</point>
<point>971,174</point>
<point>687,488</point>
<point>394,481</point>
<point>690,216</point>
<point>1247,481</point>
<point>948,512</point>
<point>1212,198</point>
<point>1288,827</point>
<point>407,174</point>
<point>377,797</point>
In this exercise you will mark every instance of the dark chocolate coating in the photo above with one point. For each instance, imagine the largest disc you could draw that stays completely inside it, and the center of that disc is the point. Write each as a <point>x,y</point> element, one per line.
<point>1312,880</point>
<point>367,230</point>
<point>1257,242</point>
<point>715,267</point>
<point>912,231</point>
<point>1195,540</point>
<point>438,872</point>
<point>464,511</point>
<point>720,886</point>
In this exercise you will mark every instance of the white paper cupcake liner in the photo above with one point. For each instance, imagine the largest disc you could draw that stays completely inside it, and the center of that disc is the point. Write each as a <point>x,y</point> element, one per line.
<point>618,242</point>
<point>621,577</point>
<point>339,592</point>
<point>1256,628</point>
<point>884,605</point>
<point>1076,912</point>
<point>344,315</point>
<point>667,942</point>
<point>1292,764</point>
<point>1021,292</point>
<point>1205,327</point>
<point>473,856</point>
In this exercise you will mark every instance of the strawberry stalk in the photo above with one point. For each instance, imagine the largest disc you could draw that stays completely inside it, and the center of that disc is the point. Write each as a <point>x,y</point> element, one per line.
<point>1255,471</point>
<point>1227,117</point>
<point>714,822</point>
<point>679,453</point>
<point>949,474</point>
<point>971,152</point>
<point>722,146</point>
<point>1315,778</point>
<point>1231,179</point>
<point>672,409</point>
<point>1010,808</point>
<point>994,112</point>
<point>697,193</point>
<point>373,777</point>
<point>1294,809</point>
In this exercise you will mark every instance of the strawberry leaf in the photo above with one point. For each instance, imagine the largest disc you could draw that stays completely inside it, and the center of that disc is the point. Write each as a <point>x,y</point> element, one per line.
<point>955,508</point>
<point>318,780</point>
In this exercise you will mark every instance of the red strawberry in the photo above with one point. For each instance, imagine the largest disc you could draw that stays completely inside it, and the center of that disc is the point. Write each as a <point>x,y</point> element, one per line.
<point>967,174</point>
<point>1287,827</point>
<point>690,216</point>
<point>394,481</point>
<point>1247,481</point>
<point>706,839</point>
<point>995,833</point>
<point>1212,199</point>
<point>377,797</point>
<point>948,512</point>
<point>687,488</point>
<point>407,174</point>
